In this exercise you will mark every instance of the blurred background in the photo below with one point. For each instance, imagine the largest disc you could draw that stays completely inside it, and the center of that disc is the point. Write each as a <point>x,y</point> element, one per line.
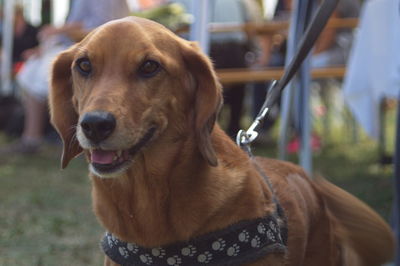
<point>352,75</point>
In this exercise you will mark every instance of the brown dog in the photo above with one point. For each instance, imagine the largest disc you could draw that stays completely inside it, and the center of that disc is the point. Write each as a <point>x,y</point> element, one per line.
<point>170,185</point>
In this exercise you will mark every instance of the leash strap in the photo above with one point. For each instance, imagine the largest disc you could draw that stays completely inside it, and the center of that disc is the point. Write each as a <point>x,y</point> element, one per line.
<point>279,210</point>
<point>317,24</point>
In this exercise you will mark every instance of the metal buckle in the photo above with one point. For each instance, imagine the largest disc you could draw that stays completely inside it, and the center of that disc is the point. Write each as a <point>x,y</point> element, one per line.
<point>245,138</point>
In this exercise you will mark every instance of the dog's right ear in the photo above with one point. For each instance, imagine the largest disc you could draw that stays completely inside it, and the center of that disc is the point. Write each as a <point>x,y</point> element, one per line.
<point>63,115</point>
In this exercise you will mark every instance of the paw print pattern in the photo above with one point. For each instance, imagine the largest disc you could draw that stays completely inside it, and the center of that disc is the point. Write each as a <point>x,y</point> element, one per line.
<point>112,241</point>
<point>124,252</point>
<point>174,261</point>
<point>206,257</point>
<point>146,259</point>
<point>158,252</point>
<point>233,250</point>
<point>256,242</point>
<point>244,236</point>
<point>271,235</point>
<point>132,248</point>
<point>273,226</point>
<point>261,228</point>
<point>218,245</point>
<point>189,251</point>
<point>225,246</point>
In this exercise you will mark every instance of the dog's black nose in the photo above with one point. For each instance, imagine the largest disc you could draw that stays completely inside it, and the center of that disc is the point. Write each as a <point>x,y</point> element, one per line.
<point>98,125</point>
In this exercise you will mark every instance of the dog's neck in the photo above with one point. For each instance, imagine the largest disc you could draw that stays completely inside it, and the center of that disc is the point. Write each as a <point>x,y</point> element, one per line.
<point>175,195</point>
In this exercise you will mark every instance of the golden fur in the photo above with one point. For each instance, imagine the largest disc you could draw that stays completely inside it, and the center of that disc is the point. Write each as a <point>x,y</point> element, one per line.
<point>190,178</point>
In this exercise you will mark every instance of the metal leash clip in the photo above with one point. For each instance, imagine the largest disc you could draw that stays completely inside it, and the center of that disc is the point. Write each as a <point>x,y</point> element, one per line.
<point>245,138</point>
<point>311,33</point>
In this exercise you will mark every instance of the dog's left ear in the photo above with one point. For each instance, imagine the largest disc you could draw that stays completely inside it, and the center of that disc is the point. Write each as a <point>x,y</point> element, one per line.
<point>63,115</point>
<point>208,98</point>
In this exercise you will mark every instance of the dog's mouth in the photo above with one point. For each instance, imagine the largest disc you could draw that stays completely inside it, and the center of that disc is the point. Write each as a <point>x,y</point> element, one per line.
<point>110,163</point>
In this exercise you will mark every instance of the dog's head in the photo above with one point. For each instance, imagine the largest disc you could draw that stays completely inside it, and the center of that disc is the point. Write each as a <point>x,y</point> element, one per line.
<point>127,84</point>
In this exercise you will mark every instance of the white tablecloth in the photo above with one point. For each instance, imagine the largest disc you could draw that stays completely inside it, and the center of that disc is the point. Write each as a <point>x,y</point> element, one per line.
<point>373,69</point>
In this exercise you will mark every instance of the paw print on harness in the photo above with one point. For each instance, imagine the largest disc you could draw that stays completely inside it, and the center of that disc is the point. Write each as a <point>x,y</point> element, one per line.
<point>273,226</point>
<point>256,242</point>
<point>174,261</point>
<point>132,248</point>
<point>146,259</point>
<point>189,251</point>
<point>218,245</point>
<point>124,252</point>
<point>244,236</point>
<point>271,235</point>
<point>233,250</point>
<point>206,257</point>
<point>261,228</point>
<point>158,252</point>
<point>112,241</point>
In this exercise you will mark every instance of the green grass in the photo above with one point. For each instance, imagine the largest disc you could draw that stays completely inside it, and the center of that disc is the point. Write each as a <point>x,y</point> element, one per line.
<point>356,169</point>
<point>46,216</point>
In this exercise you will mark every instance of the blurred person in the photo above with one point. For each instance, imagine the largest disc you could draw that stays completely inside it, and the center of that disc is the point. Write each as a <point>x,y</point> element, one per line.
<point>231,50</point>
<point>272,52</point>
<point>25,37</point>
<point>332,49</point>
<point>84,15</point>
<point>334,44</point>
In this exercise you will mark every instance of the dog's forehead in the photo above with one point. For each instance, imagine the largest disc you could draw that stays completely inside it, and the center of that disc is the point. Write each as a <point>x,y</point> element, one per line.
<point>131,32</point>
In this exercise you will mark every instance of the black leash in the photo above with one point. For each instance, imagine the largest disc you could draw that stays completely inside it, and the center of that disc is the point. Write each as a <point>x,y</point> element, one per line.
<point>317,24</point>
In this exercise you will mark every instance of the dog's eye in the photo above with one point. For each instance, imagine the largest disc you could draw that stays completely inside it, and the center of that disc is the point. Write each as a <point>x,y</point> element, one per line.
<point>149,68</point>
<point>84,66</point>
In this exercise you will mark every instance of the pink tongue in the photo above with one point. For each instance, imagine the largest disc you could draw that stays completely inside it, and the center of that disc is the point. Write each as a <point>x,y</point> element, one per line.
<point>102,157</point>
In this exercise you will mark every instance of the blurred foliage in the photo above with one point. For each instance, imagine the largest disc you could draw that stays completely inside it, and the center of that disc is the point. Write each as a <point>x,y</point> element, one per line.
<point>172,16</point>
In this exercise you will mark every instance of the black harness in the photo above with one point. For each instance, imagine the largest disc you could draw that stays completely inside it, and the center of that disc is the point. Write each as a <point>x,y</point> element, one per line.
<point>237,244</point>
